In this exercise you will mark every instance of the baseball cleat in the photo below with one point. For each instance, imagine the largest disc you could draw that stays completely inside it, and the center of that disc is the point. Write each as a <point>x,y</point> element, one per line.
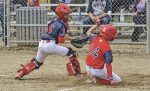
<point>19,74</point>
<point>18,77</point>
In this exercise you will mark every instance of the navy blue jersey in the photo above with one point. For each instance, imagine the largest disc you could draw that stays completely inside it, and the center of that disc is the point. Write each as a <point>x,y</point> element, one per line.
<point>56,29</point>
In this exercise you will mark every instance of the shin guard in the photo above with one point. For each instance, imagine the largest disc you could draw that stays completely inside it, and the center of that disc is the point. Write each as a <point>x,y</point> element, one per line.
<point>73,66</point>
<point>27,68</point>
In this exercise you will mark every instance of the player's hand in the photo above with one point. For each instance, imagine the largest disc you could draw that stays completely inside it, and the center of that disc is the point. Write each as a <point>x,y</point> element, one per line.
<point>97,22</point>
<point>112,83</point>
<point>95,18</point>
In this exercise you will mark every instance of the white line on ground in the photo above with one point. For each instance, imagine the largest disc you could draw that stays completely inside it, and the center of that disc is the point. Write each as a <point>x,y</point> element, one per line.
<point>66,89</point>
<point>5,76</point>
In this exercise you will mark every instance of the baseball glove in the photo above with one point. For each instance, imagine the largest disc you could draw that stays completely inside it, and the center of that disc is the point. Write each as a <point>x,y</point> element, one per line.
<point>80,41</point>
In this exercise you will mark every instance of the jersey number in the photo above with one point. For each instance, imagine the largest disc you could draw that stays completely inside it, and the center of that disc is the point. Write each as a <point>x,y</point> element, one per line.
<point>95,52</point>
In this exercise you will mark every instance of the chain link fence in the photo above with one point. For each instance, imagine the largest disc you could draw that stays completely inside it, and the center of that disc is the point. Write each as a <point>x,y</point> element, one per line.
<point>3,21</point>
<point>132,28</point>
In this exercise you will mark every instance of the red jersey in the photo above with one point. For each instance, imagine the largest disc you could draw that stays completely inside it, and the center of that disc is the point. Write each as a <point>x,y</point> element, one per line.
<point>98,47</point>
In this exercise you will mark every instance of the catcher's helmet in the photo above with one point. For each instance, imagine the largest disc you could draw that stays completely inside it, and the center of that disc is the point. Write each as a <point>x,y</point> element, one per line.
<point>61,10</point>
<point>108,32</point>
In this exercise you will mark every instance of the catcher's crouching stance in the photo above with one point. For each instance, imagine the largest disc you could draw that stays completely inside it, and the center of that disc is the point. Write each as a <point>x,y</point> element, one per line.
<point>57,33</point>
<point>73,66</point>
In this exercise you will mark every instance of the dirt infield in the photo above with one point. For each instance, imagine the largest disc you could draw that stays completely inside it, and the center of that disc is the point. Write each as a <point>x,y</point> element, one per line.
<point>130,62</point>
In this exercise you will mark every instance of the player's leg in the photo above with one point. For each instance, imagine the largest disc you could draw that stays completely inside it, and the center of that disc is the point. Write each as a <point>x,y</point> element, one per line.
<point>33,64</point>
<point>43,50</point>
<point>27,68</point>
<point>73,66</point>
<point>96,76</point>
<point>60,50</point>
<point>102,74</point>
<point>104,78</point>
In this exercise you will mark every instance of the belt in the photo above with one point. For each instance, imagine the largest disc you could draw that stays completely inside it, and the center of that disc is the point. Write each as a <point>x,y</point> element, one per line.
<point>48,41</point>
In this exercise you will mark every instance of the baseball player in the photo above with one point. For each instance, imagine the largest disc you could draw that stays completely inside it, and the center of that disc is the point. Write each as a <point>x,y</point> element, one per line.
<point>99,58</point>
<point>57,33</point>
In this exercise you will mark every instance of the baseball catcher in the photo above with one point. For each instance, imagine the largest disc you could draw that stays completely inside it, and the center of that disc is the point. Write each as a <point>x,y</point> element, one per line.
<point>57,33</point>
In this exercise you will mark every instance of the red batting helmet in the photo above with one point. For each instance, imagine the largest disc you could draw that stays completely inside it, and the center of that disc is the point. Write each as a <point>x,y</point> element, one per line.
<point>61,10</point>
<point>108,32</point>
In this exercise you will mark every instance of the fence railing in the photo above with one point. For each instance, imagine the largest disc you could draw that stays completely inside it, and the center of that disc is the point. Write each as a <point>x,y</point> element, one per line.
<point>76,23</point>
<point>148,25</point>
<point>51,13</point>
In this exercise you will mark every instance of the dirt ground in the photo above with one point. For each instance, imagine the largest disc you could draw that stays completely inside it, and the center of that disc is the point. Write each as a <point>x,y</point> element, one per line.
<point>130,62</point>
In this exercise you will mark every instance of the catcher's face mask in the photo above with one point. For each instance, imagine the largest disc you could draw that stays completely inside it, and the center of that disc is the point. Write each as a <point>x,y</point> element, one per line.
<point>67,17</point>
<point>70,17</point>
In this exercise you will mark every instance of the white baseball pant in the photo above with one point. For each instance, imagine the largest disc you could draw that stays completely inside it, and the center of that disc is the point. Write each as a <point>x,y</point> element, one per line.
<point>46,48</point>
<point>102,73</point>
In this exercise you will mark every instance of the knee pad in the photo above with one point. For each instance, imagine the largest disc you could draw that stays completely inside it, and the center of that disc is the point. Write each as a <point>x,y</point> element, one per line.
<point>38,64</point>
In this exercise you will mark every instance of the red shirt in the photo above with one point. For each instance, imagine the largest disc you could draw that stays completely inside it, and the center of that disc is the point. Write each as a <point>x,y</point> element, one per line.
<point>98,47</point>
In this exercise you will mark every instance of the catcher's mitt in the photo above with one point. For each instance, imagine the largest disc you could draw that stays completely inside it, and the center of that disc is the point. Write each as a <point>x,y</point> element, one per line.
<point>80,41</point>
